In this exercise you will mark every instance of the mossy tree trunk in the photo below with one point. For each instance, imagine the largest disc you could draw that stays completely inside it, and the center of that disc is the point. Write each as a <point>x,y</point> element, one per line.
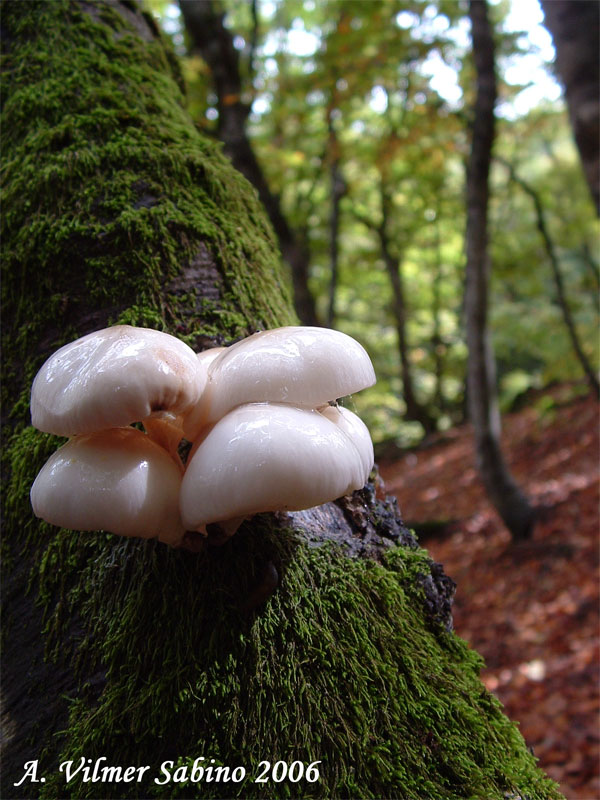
<point>315,636</point>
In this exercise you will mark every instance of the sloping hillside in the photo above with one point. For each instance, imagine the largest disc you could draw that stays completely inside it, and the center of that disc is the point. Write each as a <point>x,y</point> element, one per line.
<point>532,608</point>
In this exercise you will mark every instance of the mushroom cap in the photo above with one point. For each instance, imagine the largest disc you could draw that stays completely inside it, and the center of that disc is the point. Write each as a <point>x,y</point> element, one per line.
<point>355,428</point>
<point>114,377</point>
<point>303,366</point>
<point>117,480</point>
<point>206,356</point>
<point>268,457</point>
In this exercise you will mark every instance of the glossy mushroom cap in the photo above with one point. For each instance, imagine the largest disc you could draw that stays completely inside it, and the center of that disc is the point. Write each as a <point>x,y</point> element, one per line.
<point>117,480</point>
<point>302,366</point>
<point>264,437</point>
<point>356,430</point>
<point>206,356</point>
<point>268,457</point>
<point>114,377</point>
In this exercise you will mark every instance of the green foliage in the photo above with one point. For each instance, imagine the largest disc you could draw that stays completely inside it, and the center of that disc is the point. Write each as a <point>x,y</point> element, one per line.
<point>366,67</point>
<point>529,333</point>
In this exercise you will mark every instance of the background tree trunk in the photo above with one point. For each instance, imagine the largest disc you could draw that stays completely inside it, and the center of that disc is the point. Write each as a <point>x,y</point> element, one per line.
<point>559,284</point>
<point>575,29</point>
<point>214,42</point>
<point>117,210</point>
<point>415,410</point>
<point>504,493</point>
<point>437,341</point>
<point>338,190</point>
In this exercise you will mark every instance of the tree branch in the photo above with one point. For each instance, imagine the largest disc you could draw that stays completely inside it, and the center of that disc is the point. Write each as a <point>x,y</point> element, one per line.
<point>556,273</point>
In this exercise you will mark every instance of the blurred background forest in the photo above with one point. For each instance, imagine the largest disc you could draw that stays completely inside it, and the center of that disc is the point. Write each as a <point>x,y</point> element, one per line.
<point>355,116</point>
<point>354,119</point>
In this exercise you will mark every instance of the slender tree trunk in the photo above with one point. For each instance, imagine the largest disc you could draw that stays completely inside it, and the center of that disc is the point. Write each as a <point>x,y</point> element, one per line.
<point>510,502</point>
<point>561,294</point>
<point>214,42</point>
<point>338,189</point>
<point>414,409</point>
<point>437,340</point>
<point>575,29</point>
<point>318,636</point>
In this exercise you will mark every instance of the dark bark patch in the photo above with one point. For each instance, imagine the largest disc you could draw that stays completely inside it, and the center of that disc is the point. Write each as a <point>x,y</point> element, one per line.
<point>200,274</point>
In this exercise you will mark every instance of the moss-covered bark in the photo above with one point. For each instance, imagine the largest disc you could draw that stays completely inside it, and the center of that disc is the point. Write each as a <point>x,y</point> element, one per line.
<point>117,210</point>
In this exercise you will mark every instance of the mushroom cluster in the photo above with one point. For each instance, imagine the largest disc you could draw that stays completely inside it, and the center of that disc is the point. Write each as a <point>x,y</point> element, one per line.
<point>266,432</point>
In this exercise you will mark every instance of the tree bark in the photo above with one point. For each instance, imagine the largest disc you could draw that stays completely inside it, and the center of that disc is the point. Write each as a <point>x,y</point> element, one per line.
<point>437,342</point>
<point>214,42</point>
<point>510,502</point>
<point>338,190</point>
<point>575,29</point>
<point>561,294</point>
<point>415,411</point>
<point>318,636</point>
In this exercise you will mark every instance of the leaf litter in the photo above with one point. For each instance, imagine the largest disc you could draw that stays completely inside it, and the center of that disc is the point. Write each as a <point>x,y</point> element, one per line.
<point>530,608</point>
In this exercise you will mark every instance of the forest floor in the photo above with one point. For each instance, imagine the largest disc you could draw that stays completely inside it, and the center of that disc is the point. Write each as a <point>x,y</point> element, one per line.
<point>530,608</point>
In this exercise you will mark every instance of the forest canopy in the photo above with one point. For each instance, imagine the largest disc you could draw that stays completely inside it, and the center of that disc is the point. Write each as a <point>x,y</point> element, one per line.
<point>358,115</point>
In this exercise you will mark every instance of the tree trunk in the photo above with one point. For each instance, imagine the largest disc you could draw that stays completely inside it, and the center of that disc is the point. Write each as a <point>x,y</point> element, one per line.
<point>414,409</point>
<point>214,42</point>
<point>510,502</point>
<point>338,190</point>
<point>575,29</point>
<point>437,342</point>
<point>318,636</point>
<point>559,284</point>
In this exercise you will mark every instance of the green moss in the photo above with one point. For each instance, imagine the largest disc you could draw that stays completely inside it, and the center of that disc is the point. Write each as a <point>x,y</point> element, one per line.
<point>111,192</point>
<point>25,452</point>
<point>338,666</point>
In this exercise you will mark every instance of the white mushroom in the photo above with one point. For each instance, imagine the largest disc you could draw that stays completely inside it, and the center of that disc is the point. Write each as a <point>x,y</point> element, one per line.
<point>113,377</point>
<point>356,430</point>
<point>258,442</point>
<point>303,366</point>
<point>117,480</point>
<point>206,356</point>
<point>268,457</point>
